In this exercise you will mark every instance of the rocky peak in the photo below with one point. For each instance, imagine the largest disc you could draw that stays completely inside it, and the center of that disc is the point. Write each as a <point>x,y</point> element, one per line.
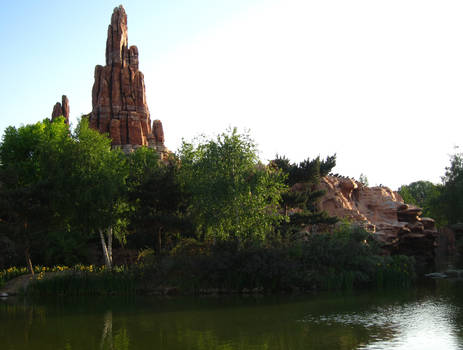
<point>116,43</point>
<point>61,109</point>
<point>118,95</point>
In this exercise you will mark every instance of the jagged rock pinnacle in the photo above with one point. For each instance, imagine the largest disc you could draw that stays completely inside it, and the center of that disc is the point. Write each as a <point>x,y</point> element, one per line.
<point>118,95</point>
<point>61,109</point>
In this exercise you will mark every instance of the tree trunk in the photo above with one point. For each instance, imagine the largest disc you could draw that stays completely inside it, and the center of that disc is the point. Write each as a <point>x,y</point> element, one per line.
<point>110,244</point>
<point>28,261</point>
<point>159,240</point>
<point>27,253</point>
<point>104,246</point>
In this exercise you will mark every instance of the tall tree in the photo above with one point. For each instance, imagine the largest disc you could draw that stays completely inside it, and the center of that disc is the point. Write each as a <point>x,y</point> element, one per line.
<point>233,195</point>
<point>31,169</point>
<point>157,200</point>
<point>99,178</point>
<point>451,199</point>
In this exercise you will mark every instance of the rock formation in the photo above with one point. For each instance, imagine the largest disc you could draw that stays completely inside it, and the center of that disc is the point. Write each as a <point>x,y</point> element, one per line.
<point>61,109</point>
<point>383,212</point>
<point>118,95</point>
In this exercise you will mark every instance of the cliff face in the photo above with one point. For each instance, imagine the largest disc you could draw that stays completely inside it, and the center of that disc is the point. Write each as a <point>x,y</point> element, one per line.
<point>380,210</point>
<point>118,95</point>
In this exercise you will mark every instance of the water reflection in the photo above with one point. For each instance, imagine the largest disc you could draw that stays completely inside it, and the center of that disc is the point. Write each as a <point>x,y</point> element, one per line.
<point>107,334</point>
<point>420,325</point>
<point>430,319</point>
<point>118,341</point>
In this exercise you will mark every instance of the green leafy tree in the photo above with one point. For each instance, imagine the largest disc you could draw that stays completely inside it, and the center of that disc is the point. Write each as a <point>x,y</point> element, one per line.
<point>300,200</point>
<point>57,188</point>
<point>31,169</point>
<point>99,189</point>
<point>425,195</point>
<point>233,196</point>
<point>451,199</point>
<point>156,198</point>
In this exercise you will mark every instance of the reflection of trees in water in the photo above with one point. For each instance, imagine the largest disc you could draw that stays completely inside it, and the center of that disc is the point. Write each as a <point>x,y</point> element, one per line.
<point>334,324</point>
<point>118,341</point>
<point>207,334</point>
<point>29,313</point>
<point>107,334</point>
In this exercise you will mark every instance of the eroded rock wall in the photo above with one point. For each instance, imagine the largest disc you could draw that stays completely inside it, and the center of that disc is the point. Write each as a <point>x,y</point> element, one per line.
<point>380,210</point>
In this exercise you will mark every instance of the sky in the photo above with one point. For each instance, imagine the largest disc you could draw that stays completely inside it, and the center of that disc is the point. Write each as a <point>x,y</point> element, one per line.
<point>379,83</point>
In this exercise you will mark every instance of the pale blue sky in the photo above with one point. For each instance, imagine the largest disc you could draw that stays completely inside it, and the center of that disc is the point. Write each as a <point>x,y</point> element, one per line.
<point>378,82</point>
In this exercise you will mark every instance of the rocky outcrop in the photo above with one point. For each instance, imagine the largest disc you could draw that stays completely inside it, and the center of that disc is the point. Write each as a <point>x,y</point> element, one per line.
<point>61,109</point>
<point>383,212</point>
<point>118,96</point>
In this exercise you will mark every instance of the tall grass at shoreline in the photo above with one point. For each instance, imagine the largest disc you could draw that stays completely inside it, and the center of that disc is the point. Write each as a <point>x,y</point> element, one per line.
<point>120,280</point>
<point>346,259</point>
<point>198,274</point>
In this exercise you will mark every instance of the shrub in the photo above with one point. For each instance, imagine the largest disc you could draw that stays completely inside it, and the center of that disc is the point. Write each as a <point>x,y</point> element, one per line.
<point>347,258</point>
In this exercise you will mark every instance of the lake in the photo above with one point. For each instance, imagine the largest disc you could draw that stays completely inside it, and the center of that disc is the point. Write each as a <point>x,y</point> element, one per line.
<point>425,317</point>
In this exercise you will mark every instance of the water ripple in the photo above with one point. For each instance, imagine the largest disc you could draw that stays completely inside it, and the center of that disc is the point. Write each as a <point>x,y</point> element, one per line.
<point>420,325</point>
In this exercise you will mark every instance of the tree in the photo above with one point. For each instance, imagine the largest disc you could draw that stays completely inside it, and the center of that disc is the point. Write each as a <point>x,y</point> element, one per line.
<point>300,200</point>
<point>363,179</point>
<point>156,198</point>
<point>31,169</point>
<point>423,194</point>
<point>451,199</point>
<point>233,196</point>
<point>99,189</point>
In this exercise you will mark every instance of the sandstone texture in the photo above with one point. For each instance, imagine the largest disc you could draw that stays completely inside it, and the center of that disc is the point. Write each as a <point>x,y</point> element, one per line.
<point>118,96</point>
<point>399,226</point>
<point>61,109</point>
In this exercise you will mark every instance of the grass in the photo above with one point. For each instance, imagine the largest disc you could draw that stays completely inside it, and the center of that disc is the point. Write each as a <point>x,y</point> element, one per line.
<point>87,280</point>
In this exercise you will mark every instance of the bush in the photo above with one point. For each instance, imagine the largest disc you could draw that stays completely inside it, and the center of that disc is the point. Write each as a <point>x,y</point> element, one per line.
<point>345,259</point>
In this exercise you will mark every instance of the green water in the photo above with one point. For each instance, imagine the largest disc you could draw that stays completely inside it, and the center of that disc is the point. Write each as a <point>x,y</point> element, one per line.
<point>428,317</point>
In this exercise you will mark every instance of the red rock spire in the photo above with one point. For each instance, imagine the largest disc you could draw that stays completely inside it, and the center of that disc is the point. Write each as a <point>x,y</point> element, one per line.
<point>61,109</point>
<point>118,94</point>
<point>116,43</point>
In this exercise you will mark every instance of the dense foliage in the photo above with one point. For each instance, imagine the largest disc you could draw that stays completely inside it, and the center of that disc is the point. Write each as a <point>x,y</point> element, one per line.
<point>443,202</point>
<point>233,196</point>
<point>59,189</point>
<point>32,174</point>
<point>158,204</point>
<point>210,216</point>
<point>451,199</point>
<point>425,195</point>
<point>346,259</point>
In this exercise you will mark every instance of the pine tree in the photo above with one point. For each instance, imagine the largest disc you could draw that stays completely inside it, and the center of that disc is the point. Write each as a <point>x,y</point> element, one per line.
<point>300,201</point>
